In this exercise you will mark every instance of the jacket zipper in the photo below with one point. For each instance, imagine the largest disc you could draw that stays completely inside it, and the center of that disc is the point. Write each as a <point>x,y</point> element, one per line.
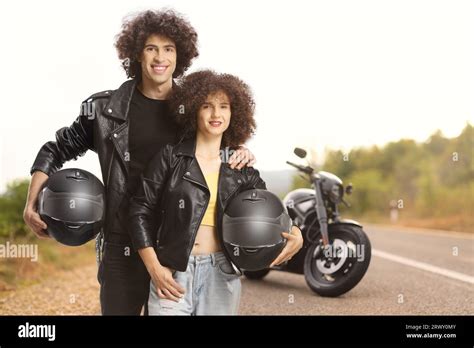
<point>200,217</point>
<point>110,167</point>
<point>207,203</point>
<point>219,232</point>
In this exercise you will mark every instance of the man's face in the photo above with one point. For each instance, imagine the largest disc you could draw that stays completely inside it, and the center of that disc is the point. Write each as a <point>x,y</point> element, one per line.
<point>214,114</point>
<point>158,59</point>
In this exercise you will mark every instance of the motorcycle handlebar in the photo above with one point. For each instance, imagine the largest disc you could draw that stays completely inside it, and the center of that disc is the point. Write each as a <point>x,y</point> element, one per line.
<point>307,169</point>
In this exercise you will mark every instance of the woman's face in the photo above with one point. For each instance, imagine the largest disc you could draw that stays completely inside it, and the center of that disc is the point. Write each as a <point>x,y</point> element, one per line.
<point>214,114</point>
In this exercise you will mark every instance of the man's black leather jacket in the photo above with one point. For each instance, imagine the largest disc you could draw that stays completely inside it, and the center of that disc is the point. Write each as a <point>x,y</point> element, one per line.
<point>102,127</point>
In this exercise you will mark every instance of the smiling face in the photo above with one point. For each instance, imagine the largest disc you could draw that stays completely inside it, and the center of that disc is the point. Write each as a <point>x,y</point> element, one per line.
<point>158,60</point>
<point>214,114</point>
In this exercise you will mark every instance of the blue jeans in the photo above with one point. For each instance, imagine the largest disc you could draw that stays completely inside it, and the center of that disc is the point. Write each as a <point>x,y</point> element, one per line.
<point>212,288</point>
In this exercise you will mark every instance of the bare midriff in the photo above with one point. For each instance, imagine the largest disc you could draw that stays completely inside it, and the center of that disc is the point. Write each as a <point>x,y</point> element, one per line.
<point>206,241</point>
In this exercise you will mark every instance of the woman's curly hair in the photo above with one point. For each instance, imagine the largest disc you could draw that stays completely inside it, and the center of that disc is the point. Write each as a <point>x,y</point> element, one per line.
<point>136,30</point>
<point>192,92</point>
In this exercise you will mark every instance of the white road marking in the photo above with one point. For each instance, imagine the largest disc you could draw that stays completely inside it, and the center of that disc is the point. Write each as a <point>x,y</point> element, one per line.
<point>422,231</point>
<point>424,266</point>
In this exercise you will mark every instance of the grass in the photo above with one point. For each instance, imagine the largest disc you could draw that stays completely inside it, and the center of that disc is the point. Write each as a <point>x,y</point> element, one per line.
<point>52,257</point>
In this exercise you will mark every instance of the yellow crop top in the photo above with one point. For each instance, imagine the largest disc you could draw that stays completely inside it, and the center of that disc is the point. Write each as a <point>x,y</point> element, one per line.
<point>209,218</point>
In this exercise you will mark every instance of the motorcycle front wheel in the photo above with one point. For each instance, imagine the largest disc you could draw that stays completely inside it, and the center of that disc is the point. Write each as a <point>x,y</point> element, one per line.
<point>334,271</point>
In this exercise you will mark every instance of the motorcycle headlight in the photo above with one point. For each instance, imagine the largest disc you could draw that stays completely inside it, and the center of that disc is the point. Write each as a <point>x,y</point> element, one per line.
<point>335,195</point>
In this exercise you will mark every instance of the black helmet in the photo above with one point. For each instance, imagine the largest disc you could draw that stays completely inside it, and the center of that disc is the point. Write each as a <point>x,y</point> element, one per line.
<point>251,229</point>
<point>72,205</point>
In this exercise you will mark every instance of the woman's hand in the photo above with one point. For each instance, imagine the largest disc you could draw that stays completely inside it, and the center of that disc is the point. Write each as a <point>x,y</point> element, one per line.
<point>242,157</point>
<point>166,286</point>
<point>161,276</point>
<point>293,245</point>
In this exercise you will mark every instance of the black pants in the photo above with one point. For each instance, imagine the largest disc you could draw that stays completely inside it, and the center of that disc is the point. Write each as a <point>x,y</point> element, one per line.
<point>124,280</point>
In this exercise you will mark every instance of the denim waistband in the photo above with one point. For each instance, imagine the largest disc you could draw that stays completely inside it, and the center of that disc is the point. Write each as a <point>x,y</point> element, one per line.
<point>206,258</point>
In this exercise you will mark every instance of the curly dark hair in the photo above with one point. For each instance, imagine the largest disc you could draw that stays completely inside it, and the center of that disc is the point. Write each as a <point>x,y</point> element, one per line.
<point>192,92</point>
<point>136,30</point>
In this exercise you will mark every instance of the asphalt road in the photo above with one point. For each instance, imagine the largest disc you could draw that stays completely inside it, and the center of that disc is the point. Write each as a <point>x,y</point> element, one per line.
<point>412,272</point>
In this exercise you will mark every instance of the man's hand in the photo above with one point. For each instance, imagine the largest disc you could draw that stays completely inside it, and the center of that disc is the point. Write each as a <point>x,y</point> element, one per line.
<point>242,157</point>
<point>30,214</point>
<point>293,245</point>
<point>34,222</point>
<point>166,286</point>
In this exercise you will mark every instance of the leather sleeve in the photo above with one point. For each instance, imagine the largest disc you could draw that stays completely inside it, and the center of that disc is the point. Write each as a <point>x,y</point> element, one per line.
<point>71,142</point>
<point>145,201</point>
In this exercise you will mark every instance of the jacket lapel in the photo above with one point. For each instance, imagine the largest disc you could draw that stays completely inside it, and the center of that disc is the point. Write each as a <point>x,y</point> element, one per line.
<point>193,172</point>
<point>119,102</point>
<point>117,108</point>
<point>228,181</point>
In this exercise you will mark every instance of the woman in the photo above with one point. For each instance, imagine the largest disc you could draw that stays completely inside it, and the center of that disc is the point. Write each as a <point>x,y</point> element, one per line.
<point>186,186</point>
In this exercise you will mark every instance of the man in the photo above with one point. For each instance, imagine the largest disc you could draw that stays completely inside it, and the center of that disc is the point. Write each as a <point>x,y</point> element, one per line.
<point>126,127</point>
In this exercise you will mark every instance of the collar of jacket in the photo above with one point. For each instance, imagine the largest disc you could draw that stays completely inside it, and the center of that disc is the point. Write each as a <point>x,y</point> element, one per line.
<point>187,147</point>
<point>119,103</point>
<point>118,107</point>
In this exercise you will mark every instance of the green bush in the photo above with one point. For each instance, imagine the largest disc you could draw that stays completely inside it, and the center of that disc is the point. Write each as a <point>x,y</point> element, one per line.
<point>12,203</point>
<point>435,179</point>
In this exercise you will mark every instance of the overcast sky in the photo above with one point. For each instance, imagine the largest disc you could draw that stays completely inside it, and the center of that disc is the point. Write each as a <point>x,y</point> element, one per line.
<point>334,74</point>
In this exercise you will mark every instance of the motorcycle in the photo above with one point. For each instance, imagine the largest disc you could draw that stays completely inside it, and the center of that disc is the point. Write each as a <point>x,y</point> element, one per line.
<point>336,252</point>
